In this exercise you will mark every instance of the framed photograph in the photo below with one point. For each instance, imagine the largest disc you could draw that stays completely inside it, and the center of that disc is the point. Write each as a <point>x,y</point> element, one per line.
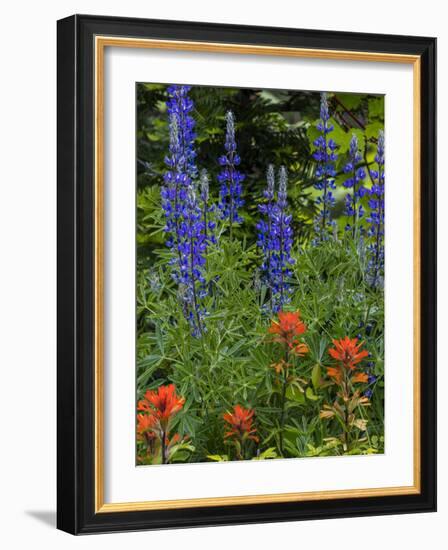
<point>246,274</point>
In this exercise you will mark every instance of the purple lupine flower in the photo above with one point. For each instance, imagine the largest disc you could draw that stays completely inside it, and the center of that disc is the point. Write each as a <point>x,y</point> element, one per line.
<point>179,106</point>
<point>325,156</point>
<point>183,215</point>
<point>192,261</point>
<point>180,162</point>
<point>371,381</point>
<point>375,219</point>
<point>230,177</point>
<point>207,208</point>
<point>280,244</point>
<point>353,207</point>
<point>265,224</point>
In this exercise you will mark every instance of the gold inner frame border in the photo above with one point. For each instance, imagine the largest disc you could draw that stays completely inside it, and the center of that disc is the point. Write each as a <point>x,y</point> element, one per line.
<point>101,42</point>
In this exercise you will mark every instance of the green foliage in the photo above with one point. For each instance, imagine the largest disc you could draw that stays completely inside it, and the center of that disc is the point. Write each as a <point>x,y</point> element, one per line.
<point>232,362</point>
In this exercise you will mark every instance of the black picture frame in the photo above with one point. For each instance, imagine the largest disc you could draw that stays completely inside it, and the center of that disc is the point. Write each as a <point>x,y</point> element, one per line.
<point>76,265</point>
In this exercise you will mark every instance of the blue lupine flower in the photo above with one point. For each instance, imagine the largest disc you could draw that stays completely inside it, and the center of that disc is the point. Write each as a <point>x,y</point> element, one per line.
<point>184,224</point>
<point>180,162</point>
<point>371,380</point>
<point>280,244</point>
<point>353,207</point>
<point>179,105</point>
<point>230,177</point>
<point>192,261</point>
<point>265,224</point>
<point>207,209</point>
<point>375,248</point>
<point>325,155</point>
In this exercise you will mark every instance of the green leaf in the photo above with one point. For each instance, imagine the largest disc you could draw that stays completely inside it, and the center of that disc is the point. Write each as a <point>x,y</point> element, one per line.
<point>372,129</point>
<point>294,394</point>
<point>376,108</point>
<point>310,395</point>
<point>268,453</point>
<point>350,101</point>
<point>218,458</point>
<point>316,375</point>
<point>340,136</point>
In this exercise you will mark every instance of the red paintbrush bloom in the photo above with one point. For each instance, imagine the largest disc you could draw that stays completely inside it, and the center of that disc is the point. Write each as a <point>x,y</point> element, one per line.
<point>360,377</point>
<point>146,423</point>
<point>287,329</point>
<point>163,403</point>
<point>240,423</point>
<point>347,352</point>
<point>335,373</point>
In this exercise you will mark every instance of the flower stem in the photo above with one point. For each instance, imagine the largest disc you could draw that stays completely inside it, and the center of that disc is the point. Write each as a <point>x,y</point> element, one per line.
<point>283,401</point>
<point>163,447</point>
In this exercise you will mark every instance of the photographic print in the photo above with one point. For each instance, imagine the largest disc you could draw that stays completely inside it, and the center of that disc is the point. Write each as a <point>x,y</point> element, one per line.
<point>260,274</point>
<point>226,246</point>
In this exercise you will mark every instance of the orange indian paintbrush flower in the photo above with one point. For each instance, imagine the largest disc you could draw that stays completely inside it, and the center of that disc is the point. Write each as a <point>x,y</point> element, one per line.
<point>361,377</point>
<point>347,352</point>
<point>163,404</point>
<point>335,373</point>
<point>146,423</point>
<point>287,330</point>
<point>240,423</point>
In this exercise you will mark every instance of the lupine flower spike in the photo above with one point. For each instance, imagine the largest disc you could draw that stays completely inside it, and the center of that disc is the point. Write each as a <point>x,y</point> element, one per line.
<point>325,155</point>
<point>280,244</point>
<point>353,207</point>
<point>180,161</point>
<point>192,248</point>
<point>375,249</point>
<point>230,177</point>
<point>264,226</point>
<point>183,214</point>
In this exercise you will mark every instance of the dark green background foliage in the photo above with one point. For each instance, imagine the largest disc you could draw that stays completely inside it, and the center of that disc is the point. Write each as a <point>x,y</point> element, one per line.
<point>231,363</point>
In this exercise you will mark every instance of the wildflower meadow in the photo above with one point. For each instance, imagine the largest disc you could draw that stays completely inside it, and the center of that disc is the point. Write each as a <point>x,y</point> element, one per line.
<point>260,274</point>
